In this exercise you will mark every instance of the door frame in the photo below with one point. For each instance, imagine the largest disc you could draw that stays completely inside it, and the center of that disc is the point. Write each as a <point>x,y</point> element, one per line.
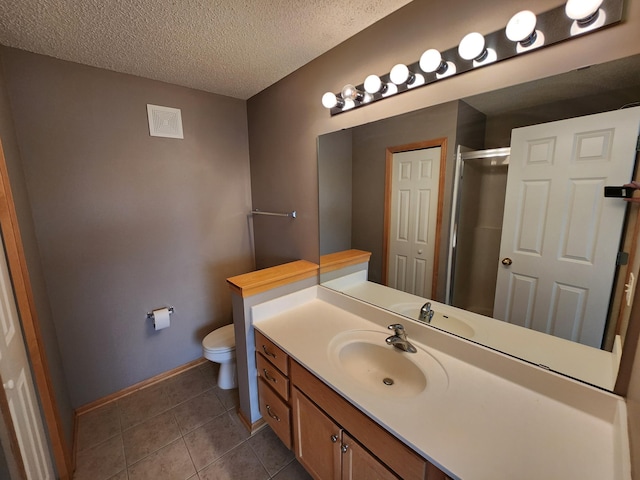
<point>27,312</point>
<point>437,142</point>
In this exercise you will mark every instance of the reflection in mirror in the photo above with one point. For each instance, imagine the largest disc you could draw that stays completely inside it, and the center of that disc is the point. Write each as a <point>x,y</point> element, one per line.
<point>352,210</point>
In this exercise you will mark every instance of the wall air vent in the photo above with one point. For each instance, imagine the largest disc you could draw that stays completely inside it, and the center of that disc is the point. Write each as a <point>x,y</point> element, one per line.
<point>164,121</point>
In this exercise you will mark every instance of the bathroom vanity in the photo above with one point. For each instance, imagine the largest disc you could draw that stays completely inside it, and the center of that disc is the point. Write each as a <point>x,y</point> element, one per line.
<point>350,405</point>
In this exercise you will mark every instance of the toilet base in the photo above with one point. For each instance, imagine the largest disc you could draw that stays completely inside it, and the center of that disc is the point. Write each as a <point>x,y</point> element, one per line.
<point>227,376</point>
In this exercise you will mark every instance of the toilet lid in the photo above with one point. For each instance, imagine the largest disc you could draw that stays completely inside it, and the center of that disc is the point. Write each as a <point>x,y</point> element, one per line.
<point>222,338</point>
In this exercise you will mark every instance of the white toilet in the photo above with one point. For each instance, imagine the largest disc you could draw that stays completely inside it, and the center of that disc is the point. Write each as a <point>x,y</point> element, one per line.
<point>220,347</point>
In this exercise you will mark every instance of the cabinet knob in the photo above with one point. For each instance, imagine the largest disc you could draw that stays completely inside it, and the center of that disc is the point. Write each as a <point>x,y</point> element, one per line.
<point>344,448</point>
<point>334,438</point>
<point>9,385</point>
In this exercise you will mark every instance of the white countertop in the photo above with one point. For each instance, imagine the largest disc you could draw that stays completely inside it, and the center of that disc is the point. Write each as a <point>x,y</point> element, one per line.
<point>496,418</point>
<point>592,365</point>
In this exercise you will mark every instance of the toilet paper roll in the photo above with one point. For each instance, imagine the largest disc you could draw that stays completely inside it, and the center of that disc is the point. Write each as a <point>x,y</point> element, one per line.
<point>161,318</point>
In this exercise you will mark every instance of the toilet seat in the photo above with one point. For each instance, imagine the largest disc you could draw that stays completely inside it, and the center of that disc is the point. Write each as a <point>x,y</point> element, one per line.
<point>220,340</point>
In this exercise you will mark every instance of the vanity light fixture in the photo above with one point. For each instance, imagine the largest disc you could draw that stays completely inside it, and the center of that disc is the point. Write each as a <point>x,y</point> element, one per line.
<point>586,15</point>
<point>331,100</point>
<point>473,47</point>
<point>574,17</point>
<point>400,75</point>
<point>373,85</point>
<point>431,62</point>
<point>349,92</point>
<point>522,30</point>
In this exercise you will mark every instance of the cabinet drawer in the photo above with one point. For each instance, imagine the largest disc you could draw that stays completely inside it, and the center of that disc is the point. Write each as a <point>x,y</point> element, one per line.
<point>272,376</point>
<point>272,352</point>
<point>275,412</point>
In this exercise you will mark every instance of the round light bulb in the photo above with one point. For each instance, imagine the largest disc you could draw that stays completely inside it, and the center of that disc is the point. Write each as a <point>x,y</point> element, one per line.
<point>472,46</point>
<point>582,10</point>
<point>399,74</point>
<point>372,84</point>
<point>348,104</point>
<point>349,92</point>
<point>431,61</point>
<point>521,26</point>
<point>329,100</point>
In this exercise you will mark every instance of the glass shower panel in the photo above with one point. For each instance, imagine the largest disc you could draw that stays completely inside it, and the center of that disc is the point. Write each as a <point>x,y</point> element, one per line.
<point>481,196</point>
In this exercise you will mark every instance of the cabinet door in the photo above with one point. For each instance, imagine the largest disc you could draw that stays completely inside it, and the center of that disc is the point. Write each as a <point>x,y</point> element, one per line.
<point>316,439</point>
<point>359,464</point>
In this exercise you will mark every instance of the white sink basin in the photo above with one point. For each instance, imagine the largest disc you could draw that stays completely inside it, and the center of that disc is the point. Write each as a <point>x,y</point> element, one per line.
<point>450,324</point>
<point>384,370</point>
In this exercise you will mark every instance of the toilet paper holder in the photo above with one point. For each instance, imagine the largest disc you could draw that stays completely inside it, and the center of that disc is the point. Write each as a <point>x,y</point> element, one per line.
<point>150,314</point>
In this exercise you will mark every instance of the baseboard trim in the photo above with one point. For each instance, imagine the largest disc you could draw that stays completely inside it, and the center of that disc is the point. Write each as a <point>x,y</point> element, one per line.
<point>136,387</point>
<point>252,427</point>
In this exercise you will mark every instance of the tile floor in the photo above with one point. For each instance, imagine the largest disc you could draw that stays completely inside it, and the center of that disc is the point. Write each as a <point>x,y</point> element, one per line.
<point>183,428</point>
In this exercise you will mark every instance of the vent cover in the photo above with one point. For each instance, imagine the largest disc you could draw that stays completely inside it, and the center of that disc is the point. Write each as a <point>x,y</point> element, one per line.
<point>164,121</point>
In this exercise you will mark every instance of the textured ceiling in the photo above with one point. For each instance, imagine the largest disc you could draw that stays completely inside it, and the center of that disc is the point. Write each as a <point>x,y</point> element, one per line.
<point>230,47</point>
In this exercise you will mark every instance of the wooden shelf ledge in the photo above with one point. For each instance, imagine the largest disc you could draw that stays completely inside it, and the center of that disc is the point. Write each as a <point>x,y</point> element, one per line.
<point>346,258</point>
<point>252,283</point>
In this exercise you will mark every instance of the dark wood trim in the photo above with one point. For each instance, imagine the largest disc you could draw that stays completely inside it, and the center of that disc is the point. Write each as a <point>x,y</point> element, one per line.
<point>30,324</point>
<point>438,142</point>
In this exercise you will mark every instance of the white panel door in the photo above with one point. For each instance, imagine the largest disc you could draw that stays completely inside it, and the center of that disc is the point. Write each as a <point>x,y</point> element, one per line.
<point>560,233</point>
<point>414,212</point>
<point>18,384</point>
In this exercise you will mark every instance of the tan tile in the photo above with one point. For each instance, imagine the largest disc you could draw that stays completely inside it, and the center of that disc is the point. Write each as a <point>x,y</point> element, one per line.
<point>229,398</point>
<point>185,386</point>
<point>101,461</point>
<point>270,450</point>
<point>97,426</point>
<point>240,462</point>
<point>212,440</point>
<point>142,405</point>
<point>198,411</point>
<point>209,372</point>
<point>149,436</point>
<point>293,471</point>
<point>169,463</point>
<point>120,476</point>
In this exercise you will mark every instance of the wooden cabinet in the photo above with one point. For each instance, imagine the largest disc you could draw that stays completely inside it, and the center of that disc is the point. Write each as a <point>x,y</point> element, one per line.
<point>359,464</point>
<point>273,387</point>
<point>332,439</point>
<point>326,451</point>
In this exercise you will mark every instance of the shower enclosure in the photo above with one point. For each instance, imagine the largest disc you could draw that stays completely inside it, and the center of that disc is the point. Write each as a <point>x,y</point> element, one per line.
<point>478,205</point>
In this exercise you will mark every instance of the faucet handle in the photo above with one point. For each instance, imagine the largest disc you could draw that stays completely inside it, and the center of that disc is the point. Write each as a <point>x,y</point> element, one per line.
<point>397,328</point>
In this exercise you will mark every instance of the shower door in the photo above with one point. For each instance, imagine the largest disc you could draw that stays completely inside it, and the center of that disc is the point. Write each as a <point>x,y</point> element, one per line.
<point>479,190</point>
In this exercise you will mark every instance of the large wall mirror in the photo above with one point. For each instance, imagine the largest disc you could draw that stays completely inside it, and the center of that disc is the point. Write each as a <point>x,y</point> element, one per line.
<point>474,161</point>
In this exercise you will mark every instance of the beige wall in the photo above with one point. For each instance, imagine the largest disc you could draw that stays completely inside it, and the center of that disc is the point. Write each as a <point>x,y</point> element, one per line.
<point>125,222</point>
<point>32,254</point>
<point>286,118</point>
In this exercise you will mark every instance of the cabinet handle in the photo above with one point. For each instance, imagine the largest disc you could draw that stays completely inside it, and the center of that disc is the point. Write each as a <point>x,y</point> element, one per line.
<point>267,352</point>
<point>344,448</point>
<point>272,415</point>
<point>268,376</point>
<point>334,438</point>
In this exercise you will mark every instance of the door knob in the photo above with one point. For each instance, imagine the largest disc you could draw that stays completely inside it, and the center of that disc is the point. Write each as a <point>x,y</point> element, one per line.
<point>9,385</point>
<point>507,261</point>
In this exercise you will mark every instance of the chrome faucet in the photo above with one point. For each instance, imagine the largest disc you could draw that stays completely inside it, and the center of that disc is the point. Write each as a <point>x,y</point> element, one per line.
<point>399,339</point>
<point>426,314</point>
